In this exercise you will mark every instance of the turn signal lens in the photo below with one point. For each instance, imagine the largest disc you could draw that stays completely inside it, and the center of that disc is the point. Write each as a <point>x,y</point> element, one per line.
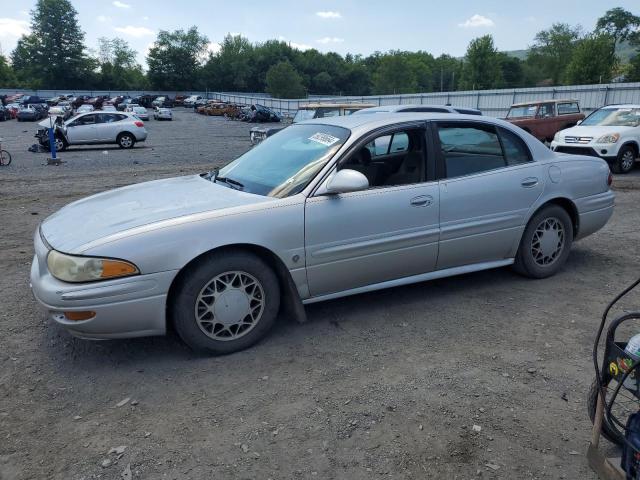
<point>70,268</point>
<point>610,179</point>
<point>79,316</point>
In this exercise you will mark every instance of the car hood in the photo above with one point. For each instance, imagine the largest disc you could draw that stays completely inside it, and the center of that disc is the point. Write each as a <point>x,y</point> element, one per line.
<point>118,210</point>
<point>595,131</point>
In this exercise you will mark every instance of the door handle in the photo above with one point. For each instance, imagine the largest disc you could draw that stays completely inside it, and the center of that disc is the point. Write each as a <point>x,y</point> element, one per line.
<point>421,201</point>
<point>529,182</point>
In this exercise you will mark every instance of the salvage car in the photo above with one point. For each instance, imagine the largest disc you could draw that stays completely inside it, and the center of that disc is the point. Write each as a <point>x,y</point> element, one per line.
<point>611,133</point>
<point>31,113</point>
<point>123,129</point>
<point>543,119</point>
<point>140,112</point>
<point>60,111</point>
<point>161,113</point>
<point>324,209</point>
<point>84,108</point>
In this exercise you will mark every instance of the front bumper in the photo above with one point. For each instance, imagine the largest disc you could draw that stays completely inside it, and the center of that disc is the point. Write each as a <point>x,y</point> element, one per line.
<point>606,151</point>
<point>124,308</point>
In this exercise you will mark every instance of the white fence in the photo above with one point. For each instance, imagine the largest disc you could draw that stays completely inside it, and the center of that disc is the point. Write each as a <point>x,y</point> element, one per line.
<point>490,102</point>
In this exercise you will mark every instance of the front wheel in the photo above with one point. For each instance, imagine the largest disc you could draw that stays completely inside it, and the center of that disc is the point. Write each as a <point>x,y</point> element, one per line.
<point>625,161</point>
<point>5,158</point>
<point>126,140</point>
<point>225,303</point>
<point>61,145</point>
<point>545,243</point>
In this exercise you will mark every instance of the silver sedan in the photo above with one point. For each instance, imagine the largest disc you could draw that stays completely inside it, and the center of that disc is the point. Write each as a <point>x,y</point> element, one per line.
<point>323,209</point>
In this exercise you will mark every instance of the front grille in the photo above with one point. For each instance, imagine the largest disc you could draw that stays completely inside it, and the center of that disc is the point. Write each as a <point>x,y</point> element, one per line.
<point>582,140</point>
<point>577,151</point>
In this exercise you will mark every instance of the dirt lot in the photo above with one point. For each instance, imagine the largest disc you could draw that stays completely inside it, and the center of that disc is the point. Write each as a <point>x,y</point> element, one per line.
<point>383,385</point>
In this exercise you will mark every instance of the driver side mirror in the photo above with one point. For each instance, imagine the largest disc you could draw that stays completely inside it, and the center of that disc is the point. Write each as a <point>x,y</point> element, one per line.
<point>345,181</point>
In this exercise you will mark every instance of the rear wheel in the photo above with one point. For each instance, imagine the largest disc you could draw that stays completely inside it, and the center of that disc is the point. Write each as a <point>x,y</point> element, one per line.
<point>126,140</point>
<point>5,158</point>
<point>625,161</point>
<point>545,244</point>
<point>226,302</point>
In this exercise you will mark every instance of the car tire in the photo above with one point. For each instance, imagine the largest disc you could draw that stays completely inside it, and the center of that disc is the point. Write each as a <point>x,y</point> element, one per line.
<point>126,140</point>
<point>248,294</point>
<point>625,161</point>
<point>61,144</point>
<point>592,404</point>
<point>539,256</point>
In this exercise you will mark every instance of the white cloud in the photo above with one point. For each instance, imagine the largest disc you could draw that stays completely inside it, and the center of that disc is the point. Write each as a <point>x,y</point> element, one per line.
<point>476,21</point>
<point>329,14</point>
<point>24,13</point>
<point>135,31</point>
<point>213,47</point>
<point>103,19</point>
<point>326,40</point>
<point>120,4</point>
<point>145,18</point>
<point>13,28</point>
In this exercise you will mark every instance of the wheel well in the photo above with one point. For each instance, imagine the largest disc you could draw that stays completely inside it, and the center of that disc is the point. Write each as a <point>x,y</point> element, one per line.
<point>125,133</point>
<point>633,145</point>
<point>571,209</point>
<point>289,297</point>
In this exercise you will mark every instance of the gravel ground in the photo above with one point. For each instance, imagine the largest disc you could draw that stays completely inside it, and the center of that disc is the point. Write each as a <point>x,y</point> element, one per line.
<point>477,376</point>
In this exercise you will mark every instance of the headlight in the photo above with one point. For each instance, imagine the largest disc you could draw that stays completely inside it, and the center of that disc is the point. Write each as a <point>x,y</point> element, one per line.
<point>556,137</point>
<point>74,269</point>
<point>609,138</point>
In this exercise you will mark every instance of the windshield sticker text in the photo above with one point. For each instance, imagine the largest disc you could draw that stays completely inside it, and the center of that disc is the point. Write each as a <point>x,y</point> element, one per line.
<point>324,138</point>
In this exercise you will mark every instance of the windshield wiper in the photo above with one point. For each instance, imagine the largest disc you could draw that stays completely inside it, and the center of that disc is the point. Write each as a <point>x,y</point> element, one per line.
<point>229,181</point>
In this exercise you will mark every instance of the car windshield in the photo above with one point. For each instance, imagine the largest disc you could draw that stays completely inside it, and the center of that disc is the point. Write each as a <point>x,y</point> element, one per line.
<point>523,111</point>
<point>304,114</point>
<point>285,163</point>
<point>615,117</point>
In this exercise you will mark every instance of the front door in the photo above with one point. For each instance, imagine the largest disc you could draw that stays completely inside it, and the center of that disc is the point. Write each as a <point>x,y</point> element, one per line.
<point>489,184</point>
<point>385,232</point>
<point>83,129</point>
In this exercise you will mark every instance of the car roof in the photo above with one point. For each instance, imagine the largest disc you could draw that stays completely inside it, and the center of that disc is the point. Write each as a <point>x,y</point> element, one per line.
<point>549,100</point>
<point>622,105</point>
<point>335,105</point>
<point>389,118</point>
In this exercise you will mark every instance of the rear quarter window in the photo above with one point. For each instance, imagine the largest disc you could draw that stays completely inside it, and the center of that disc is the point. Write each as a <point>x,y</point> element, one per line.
<point>568,108</point>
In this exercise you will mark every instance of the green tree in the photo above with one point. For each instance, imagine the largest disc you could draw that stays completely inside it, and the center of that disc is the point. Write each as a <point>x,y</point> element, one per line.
<point>174,60</point>
<point>633,69</point>
<point>323,83</point>
<point>231,69</point>
<point>553,49</point>
<point>512,71</point>
<point>119,69</point>
<point>447,72</point>
<point>284,81</point>
<point>481,68</point>
<point>53,54</point>
<point>591,62</point>
<point>7,78</point>
<point>619,24</point>
<point>394,74</point>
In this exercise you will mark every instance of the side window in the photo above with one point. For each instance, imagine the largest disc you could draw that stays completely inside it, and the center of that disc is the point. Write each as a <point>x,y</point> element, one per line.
<point>87,120</point>
<point>399,143</point>
<point>469,148</point>
<point>515,150</point>
<point>327,112</point>
<point>568,108</point>
<point>545,110</point>
<point>390,160</point>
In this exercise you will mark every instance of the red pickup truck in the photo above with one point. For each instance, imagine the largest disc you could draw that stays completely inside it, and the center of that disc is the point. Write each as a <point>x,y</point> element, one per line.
<point>544,118</point>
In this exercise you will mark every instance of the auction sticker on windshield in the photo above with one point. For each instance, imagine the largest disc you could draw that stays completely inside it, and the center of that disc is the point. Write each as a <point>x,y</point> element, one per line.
<point>324,138</point>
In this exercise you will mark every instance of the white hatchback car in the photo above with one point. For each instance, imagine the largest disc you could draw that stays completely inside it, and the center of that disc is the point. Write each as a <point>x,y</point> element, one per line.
<point>122,128</point>
<point>161,113</point>
<point>611,133</point>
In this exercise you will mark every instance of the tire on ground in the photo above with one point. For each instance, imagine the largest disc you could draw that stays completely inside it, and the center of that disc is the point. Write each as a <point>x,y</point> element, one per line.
<point>525,263</point>
<point>182,305</point>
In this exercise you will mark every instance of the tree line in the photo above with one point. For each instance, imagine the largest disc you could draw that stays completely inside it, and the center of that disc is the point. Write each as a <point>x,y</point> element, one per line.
<point>53,56</point>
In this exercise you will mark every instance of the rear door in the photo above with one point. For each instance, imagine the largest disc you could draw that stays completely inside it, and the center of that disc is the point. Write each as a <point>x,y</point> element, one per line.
<point>108,127</point>
<point>488,183</point>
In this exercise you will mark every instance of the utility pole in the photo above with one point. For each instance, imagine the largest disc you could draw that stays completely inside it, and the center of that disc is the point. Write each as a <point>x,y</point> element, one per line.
<point>441,79</point>
<point>453,81</point>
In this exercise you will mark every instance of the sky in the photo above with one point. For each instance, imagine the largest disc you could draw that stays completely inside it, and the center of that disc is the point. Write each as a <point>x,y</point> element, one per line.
<point>343,26</point>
